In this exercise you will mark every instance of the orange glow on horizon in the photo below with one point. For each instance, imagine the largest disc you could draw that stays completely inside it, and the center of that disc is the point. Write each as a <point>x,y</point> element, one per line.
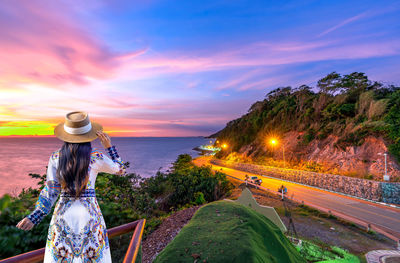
<point>46,129</point>
<point>40,128</point>
<point>26,128</point>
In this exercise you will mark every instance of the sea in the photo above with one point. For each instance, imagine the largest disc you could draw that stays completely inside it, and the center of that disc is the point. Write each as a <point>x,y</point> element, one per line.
<point>20,156</point>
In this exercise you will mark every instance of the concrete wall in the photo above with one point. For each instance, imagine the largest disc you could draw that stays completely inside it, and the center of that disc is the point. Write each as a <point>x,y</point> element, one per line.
<point>368,189</point>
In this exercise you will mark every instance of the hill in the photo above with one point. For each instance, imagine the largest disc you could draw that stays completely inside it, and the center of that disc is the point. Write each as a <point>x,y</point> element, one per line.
<point>338,126</point>
<point>224,231</point>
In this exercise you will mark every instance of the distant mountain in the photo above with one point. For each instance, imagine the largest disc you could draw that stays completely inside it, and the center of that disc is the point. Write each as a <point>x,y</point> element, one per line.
<point>339,126</point>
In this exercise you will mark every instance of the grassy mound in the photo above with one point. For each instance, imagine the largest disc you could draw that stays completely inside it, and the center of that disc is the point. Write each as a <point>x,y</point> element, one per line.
<point>224,231</point>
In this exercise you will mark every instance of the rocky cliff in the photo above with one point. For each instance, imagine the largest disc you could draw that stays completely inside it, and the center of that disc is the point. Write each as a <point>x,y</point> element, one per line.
<point>325,156</point>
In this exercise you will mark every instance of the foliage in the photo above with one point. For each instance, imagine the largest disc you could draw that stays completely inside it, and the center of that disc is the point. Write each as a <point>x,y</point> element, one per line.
<point>184,183</point>
<point>320,252</point>
<point>350,107</point>
<point>122,199</point>
<point>199,198</point>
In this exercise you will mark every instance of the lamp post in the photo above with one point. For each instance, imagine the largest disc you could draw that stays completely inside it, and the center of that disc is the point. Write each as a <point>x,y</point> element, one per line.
<point>275,142</point>
<point>386,177</point>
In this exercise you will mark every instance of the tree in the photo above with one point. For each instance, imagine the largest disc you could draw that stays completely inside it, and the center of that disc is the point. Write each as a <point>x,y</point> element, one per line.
<point>256,106</point>
<point>330,84</point>
<point>276,93</point>
<point>355,81</point>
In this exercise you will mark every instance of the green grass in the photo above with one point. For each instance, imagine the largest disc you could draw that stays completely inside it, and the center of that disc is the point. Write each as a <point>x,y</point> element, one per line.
<point>224,231</point>
<point>326,254</point>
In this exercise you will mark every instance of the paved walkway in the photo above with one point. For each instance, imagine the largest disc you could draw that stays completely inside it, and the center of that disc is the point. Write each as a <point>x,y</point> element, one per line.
<point>383,256</point>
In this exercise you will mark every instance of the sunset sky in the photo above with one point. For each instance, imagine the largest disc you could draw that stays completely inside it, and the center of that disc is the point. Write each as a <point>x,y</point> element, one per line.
<point>178,68</point>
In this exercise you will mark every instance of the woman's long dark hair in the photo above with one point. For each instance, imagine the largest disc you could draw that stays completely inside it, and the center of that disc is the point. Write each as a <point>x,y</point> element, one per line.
<point>72,171</point>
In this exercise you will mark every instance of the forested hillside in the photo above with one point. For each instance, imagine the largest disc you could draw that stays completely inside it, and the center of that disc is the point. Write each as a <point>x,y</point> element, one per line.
<point>344,110</point>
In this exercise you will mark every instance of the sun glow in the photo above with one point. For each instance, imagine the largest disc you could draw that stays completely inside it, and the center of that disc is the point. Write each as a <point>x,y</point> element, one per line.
<point>26,128</point>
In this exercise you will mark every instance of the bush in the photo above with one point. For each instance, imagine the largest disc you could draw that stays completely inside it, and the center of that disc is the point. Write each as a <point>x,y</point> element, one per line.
<point>179,187</point>
<point>377,108</point>
<point>199,198</point>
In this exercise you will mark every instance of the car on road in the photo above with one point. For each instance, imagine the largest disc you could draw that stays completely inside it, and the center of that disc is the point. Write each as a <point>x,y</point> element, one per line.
<point>255,180</point>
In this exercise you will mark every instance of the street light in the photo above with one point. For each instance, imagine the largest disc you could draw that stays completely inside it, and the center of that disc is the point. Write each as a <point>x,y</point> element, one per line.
<point>386,177</point>
<point>274,142</point>
<point>226,146</point>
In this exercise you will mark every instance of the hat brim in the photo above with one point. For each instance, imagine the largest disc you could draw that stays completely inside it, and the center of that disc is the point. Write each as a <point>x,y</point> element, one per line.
<point>61,134</point>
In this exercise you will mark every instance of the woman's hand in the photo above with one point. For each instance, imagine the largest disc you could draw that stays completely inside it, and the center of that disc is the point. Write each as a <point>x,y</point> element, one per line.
<point>25,224</point>
<point>104,139</point>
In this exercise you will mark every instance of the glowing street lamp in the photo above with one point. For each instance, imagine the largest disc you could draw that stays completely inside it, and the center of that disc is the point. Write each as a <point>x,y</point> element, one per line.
<point>226,146</point>
<point>274,142</point>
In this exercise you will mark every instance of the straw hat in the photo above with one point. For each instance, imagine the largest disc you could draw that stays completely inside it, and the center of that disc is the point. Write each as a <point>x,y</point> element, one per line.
<point>77,128</point>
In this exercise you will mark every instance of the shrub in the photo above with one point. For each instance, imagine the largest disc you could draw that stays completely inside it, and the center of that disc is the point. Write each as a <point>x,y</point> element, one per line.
<point>199,198</point>
<point>377,108</point>
<point>364,102</point>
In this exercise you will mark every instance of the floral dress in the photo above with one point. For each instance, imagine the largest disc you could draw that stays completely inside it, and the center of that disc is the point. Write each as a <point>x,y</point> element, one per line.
<point>77,231</point>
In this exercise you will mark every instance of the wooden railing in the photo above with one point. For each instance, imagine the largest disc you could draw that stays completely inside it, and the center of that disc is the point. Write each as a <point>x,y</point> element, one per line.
<point>130,256</point>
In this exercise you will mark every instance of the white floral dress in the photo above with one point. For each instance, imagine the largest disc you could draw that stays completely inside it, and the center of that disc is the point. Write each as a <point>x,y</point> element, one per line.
<point>77,231</point>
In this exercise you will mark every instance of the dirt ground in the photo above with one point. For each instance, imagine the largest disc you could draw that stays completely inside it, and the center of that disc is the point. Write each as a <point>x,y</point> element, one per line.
<point>165,233</point>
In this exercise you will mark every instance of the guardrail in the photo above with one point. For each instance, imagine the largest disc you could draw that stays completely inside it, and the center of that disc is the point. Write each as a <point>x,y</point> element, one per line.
<point>130,256</point>
<point>368,226</point>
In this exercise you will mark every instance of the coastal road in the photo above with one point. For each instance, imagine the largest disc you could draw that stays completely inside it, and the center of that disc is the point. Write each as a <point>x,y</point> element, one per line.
<point>387,218</point>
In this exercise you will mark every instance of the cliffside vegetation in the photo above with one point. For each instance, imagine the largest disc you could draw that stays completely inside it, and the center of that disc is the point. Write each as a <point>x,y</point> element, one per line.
<point>350,107</point>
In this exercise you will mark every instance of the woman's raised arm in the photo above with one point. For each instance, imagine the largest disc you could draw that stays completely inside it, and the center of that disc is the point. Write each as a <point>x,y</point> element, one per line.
<point>115,164</point>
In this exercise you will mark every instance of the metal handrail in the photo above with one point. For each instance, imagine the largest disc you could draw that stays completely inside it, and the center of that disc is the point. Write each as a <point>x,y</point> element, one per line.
<point>130,256</point>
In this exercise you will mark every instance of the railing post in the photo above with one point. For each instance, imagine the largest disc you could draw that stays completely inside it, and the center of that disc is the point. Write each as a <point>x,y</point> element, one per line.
<point>134,245</point>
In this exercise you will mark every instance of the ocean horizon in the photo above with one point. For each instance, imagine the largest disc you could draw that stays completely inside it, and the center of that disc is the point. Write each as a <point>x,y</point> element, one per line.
<point>22,155</point>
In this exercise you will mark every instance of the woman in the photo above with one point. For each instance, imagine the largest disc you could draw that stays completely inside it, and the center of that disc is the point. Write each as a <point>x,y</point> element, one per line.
<point>77,231</point>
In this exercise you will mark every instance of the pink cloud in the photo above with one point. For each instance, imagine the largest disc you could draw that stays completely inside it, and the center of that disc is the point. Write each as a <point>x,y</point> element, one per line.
<point>255,55</point>
<point>44,42</point>
<point>343,23</point>
<point>363,15</point>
